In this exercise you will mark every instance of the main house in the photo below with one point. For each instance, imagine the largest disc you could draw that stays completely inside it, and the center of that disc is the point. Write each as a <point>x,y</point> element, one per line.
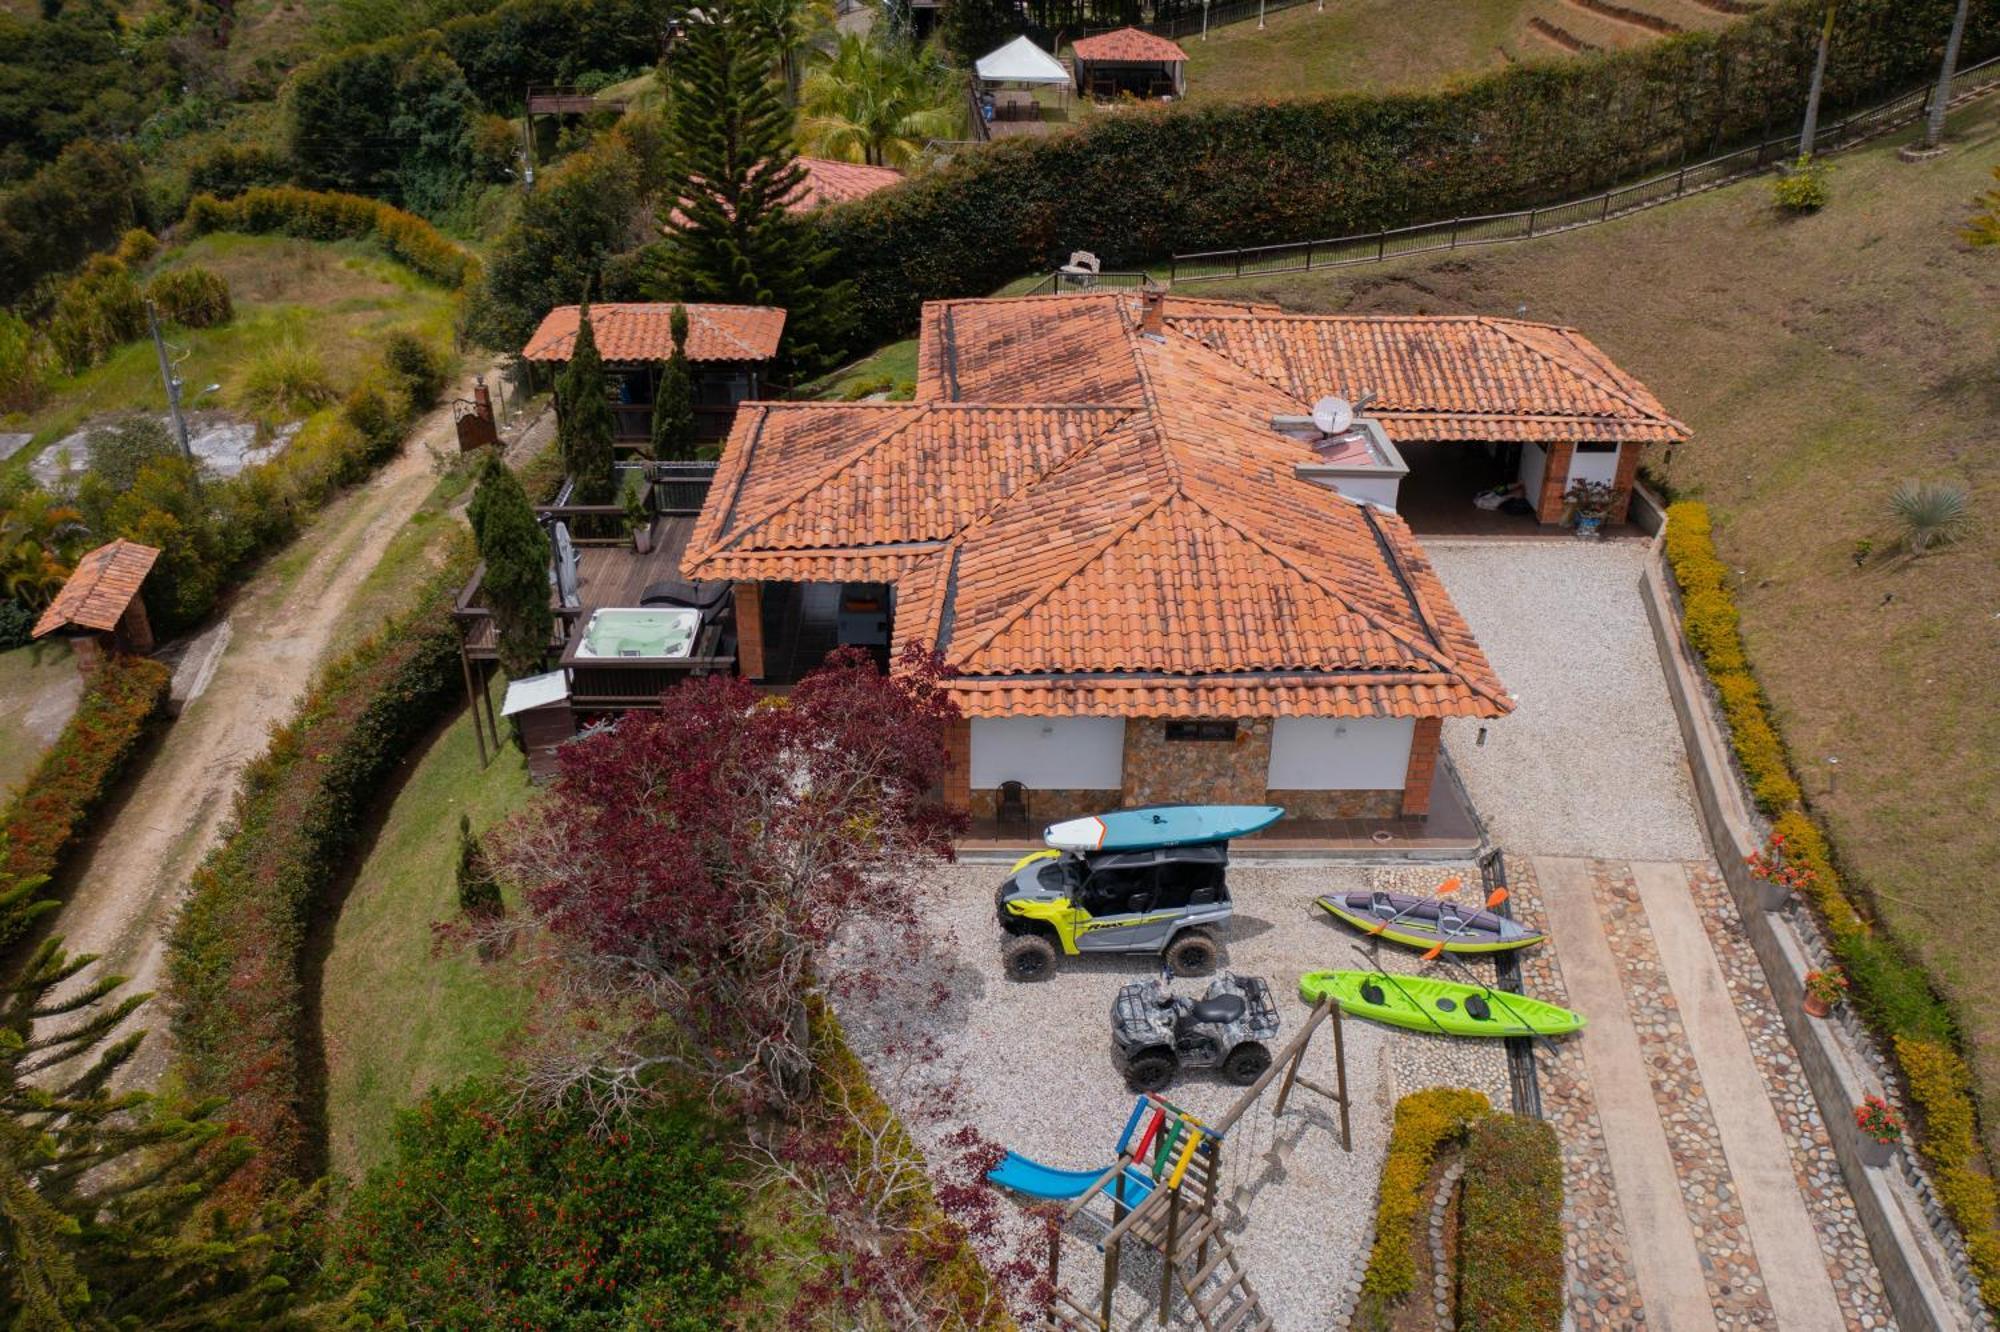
<point>1156,573</point>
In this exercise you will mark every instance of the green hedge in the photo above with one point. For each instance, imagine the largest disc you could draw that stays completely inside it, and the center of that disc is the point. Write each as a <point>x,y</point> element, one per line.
<point>234,957</point>
<point>46,815</point>
<point>318,215</point>
<point>1424,1122</point>
<point>1510,1251</point>
<point>1890,990</point>
<point>1148,183</point>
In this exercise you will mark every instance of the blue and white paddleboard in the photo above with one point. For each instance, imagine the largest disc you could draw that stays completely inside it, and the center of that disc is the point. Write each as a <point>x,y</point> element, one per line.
<point>1160,825</point>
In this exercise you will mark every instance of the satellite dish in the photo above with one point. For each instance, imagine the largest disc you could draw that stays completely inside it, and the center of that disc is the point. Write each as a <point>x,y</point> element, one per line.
<point>1333,416</point>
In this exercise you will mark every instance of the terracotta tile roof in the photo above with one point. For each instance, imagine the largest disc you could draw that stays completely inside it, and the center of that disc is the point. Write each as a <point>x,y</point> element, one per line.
<point>828,181</point>
<point>1445,377</point>
<point>99,591</point>
<point>1127,46</point>
<point>1150,556</point>
<point>641,331</point>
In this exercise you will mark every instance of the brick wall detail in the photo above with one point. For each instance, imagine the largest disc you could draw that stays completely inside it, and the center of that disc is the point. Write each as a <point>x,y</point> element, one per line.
<point>750,630</point>
<point>958,765</point>
<point>1549,505</point>
<point>1423,767</point>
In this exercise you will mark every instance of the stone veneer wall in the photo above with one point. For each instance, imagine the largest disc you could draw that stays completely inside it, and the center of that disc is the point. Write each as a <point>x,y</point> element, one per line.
<point>1338,804</point>
<point>1048,806</point>
<point>1159,771</point>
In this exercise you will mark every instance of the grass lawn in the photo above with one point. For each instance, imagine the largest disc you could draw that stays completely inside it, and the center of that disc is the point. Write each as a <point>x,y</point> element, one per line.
<point>336,298</point>
<point>1354,46</point>
<point>39,687</point>
<point>1820,361</point>
<point>896,364</point>
<point>398,1020</point>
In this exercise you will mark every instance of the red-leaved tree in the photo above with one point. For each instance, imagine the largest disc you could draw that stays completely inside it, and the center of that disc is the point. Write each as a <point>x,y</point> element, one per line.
<point>691,865</point>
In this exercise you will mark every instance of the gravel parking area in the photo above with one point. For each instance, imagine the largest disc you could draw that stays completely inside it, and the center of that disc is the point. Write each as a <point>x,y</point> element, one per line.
<point>1034,1066</point>
<point>1590,763</point>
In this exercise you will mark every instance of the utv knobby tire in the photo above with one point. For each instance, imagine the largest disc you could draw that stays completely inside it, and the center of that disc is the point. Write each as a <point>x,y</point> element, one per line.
<point>1151,1070</point>
<point>1192,953</point>
<point>1246,1063</point>
<point>1028,957</point>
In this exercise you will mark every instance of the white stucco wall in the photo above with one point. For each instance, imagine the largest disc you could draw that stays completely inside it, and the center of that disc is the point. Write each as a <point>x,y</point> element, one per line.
<point>1336,754</point>
<point>1534,460</point>
<point>1377,488</point>
<point>1592,467</point>
<point>1049,753</point>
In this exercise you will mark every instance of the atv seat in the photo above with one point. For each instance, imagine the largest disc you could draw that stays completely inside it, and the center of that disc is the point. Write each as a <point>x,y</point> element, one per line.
<point>1222,1009</point>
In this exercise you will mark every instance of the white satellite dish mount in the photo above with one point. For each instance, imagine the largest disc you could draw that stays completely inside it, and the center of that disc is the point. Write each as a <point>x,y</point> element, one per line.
<point>1332,416</point>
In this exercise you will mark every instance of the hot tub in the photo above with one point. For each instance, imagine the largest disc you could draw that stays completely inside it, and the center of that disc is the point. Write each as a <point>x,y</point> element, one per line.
<point>653,631</point>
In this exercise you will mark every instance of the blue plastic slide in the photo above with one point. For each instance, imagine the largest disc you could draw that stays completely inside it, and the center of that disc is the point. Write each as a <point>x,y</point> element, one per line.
<point>1036,1180</point>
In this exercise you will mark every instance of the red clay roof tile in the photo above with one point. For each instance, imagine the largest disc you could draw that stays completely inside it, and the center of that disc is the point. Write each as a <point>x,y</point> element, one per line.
<point>100,589</point>
<point>642,331</point>
<point>1127,46</point>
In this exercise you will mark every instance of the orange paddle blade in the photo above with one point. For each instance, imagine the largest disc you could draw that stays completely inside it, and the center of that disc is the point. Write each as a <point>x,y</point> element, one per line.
<point>1495,898</point>
<point>1431,953</point>
<point>1450,886</point>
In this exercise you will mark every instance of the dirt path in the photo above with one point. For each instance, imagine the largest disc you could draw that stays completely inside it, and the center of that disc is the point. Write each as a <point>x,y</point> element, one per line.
<point>244,674</point>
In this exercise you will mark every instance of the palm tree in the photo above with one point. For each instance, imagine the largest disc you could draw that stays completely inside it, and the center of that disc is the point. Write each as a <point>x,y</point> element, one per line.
<point>1934,123</point>
<point>868,102</point>
<point>790,28</point>
<point>1811,128</point>
<point>38,539</point>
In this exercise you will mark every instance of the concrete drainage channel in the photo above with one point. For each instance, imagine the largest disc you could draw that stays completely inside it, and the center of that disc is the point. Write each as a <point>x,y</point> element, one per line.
<point>1521,1083</point>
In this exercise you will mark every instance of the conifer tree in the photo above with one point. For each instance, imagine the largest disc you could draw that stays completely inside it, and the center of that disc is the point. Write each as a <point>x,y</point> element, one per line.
<point>102,1192</point>
<point>584,427</point>
<point>516,552</point>
<point>673,405</point>
<point>733,166</point>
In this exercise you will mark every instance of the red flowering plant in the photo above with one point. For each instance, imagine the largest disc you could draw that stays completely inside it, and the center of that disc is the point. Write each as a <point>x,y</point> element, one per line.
<point>1828,986</point>
<point>1770,865</point>
<point>1879,1120</point>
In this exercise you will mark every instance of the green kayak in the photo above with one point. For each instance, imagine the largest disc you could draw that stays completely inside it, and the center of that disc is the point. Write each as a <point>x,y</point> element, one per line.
<point>1423,1004</point>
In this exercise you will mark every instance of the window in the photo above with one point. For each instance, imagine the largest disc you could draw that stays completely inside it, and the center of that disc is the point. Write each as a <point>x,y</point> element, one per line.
<point>1202,730</point>
<point>1597,448</point>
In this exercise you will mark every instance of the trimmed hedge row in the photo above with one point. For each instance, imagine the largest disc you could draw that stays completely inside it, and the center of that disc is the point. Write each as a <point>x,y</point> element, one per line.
<point>1510,1255</point>
<point>47,813</point>
<point>1148,183</point>
<point>234,959</point>
<point>320,215</point>
<point>1889,989</point>
<point>1424,1122</point>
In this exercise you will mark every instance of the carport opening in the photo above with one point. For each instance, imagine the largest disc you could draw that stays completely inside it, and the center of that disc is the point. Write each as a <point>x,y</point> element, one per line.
<point>1445,480</point>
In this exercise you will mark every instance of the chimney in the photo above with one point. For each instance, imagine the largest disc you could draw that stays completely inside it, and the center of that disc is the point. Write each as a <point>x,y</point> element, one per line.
<point>1152,311</point>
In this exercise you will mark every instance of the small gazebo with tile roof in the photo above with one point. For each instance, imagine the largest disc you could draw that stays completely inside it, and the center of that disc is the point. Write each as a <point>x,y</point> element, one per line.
<point>100,607</point>
<point>1129,60</point>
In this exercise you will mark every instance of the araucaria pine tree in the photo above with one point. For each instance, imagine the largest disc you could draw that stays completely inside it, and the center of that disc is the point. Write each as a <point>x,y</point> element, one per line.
<point>102,1192</point>
<point>673,405</point>
<point>733,167</point>
<point>584,427</point>
<point>516,552</point>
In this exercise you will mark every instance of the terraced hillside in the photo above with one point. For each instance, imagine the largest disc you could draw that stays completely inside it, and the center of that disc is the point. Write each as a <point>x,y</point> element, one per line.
<point>1577,27</point>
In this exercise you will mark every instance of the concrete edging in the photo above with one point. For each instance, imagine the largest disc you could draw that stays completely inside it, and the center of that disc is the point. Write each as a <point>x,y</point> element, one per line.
<point>1916,1270</point>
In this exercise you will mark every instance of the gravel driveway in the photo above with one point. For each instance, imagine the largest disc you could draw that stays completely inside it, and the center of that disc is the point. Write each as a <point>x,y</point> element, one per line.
<point>1590,763</point>
<point>1037,1075</point>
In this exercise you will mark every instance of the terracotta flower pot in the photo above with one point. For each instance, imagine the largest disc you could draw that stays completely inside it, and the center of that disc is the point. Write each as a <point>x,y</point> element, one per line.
<point>1816,1006</point>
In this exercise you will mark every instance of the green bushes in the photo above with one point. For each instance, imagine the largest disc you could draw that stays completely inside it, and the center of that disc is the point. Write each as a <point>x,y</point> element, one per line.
<point>283,382</point>
<point>1425,1121</point>
<point>1801,187</point>
<point>1889,990</point>
<point>289,211</point>
<point>1510,1257</point>
<point>23,364</point>
<point>192,297</point>
<point>1148,183</point>
<point>77,205</point>
<point>496,1214</point>
<point>46,815</point>
<point>234,957</point>
<point>97,311</point>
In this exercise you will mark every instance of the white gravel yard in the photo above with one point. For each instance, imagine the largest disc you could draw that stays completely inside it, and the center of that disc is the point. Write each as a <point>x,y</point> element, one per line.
<point>1590,763</point>
<point>1035,1068</point>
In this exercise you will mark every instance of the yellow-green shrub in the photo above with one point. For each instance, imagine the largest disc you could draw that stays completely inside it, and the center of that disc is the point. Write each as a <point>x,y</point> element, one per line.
<point>1424,1121</point>
<point>136,246</point>
<point>316,215</point>
<point>1941,1085</point>
<point>193,297</point>
<point>1711,620</point>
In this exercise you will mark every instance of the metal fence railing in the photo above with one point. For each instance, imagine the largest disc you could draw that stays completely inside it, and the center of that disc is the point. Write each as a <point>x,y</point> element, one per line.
<point>1494,228</point>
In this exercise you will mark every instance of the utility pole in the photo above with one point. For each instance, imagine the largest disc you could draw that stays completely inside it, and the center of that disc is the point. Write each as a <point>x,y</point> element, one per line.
<point>172,380</point>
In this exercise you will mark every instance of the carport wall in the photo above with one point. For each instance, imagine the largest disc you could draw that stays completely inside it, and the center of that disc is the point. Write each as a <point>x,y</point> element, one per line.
<point>1548,469</point>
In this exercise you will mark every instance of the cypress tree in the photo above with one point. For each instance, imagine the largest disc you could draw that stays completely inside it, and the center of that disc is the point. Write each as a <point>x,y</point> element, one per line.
<point>584,427</point>
<point>673,405</point>
<point>478,891</point>
<point>730,159</point>
<point>516,551</point>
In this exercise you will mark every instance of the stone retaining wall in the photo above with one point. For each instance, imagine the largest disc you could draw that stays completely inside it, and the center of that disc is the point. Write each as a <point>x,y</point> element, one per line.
<point>1046,807</point>
<point>1917,1263</point>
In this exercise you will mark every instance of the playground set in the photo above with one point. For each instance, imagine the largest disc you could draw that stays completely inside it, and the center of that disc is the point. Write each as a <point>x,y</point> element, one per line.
<point>1162,1192</point>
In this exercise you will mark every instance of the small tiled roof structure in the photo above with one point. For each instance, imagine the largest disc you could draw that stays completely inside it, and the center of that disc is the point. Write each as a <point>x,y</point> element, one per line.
<point>642,331</point>
<point>828,181</point>
<point>1147,549</point>
<point>1133,46</point>
<point>99,592</point>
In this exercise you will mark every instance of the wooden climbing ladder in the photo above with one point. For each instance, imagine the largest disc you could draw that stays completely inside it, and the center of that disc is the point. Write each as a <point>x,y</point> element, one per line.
<point>1177,1216</point>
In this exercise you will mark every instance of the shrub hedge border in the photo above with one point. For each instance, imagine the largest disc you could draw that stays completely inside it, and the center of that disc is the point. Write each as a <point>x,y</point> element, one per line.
<point>46,815</point>
<point>234,959</point>
<point>1510,1256</point>
<point>1890,990</point>
<point>324,215</point>
<point>1425,1121</point>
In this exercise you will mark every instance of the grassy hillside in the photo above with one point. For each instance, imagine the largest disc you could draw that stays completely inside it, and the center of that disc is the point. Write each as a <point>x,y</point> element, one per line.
<point>1820,362</point>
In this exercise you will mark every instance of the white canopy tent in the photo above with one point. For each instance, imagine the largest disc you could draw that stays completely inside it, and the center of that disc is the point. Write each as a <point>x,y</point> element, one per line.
<point>1021,61</point>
